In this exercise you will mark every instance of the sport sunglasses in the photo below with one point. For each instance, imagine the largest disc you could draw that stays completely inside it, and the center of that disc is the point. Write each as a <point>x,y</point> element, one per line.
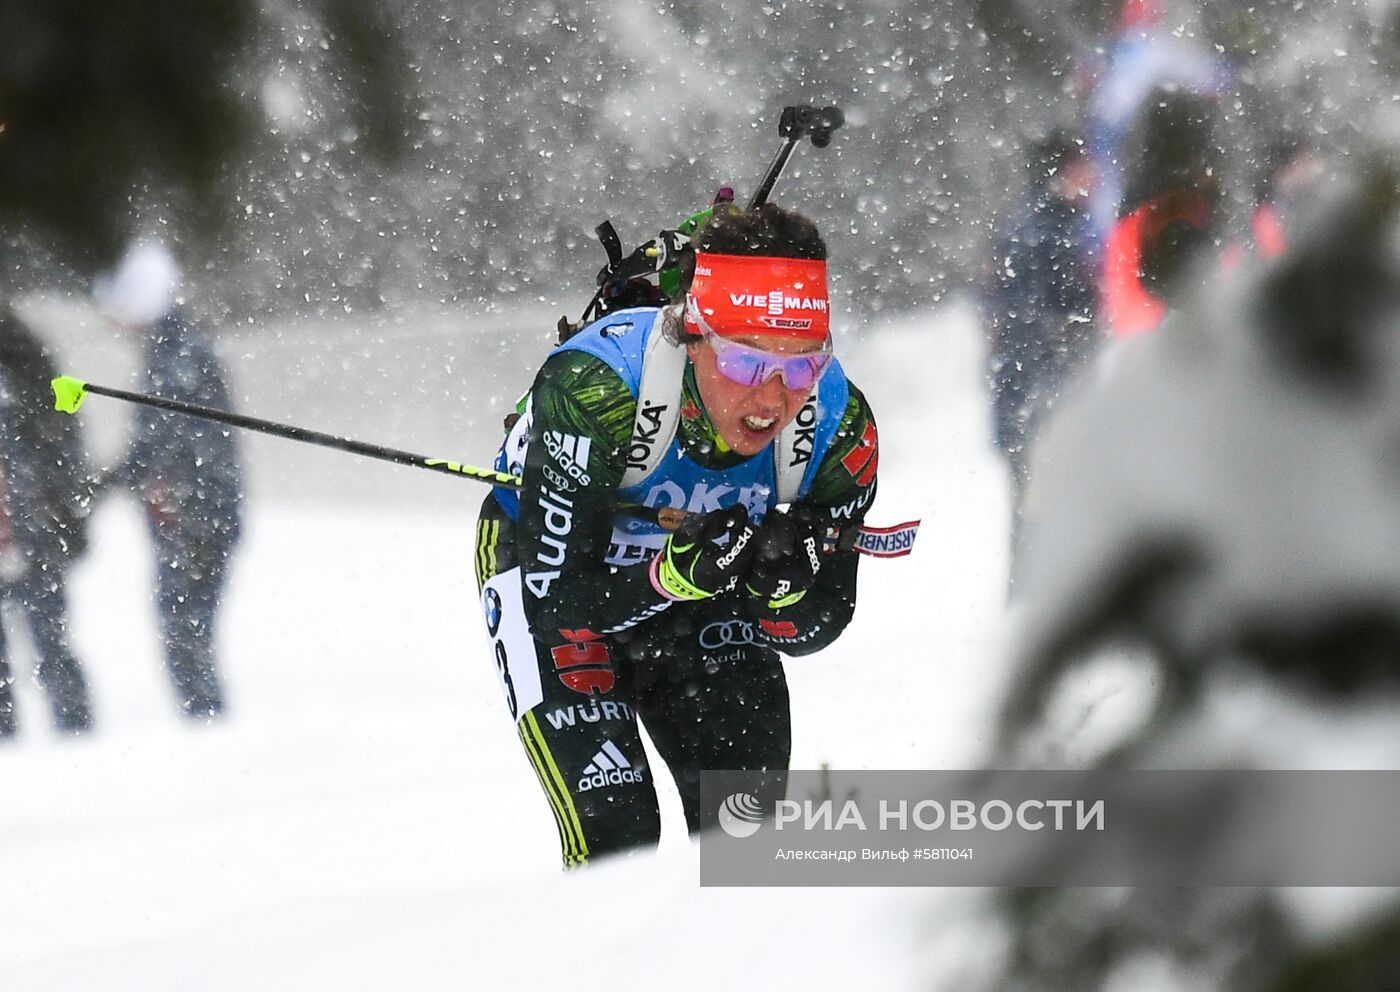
<point>750,366</point>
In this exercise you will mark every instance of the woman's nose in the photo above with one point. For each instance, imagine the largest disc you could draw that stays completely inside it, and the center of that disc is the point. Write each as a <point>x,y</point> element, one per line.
<point>772,393</point>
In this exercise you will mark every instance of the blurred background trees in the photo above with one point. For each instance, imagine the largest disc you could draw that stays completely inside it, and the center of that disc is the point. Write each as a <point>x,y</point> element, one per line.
<point>319,157</point>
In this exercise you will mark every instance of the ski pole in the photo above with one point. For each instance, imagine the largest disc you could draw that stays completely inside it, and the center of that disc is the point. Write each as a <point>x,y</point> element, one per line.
<point>69,392</point>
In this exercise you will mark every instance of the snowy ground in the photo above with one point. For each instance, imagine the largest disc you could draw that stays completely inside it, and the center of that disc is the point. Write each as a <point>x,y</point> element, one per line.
<point>364,818</point>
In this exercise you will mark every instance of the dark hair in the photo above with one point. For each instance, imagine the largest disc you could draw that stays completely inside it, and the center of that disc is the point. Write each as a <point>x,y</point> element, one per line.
<point>733,230</point>
<point>765,230</point>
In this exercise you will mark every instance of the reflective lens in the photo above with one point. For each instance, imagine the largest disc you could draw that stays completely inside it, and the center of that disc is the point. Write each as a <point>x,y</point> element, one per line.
<point>749,366</point>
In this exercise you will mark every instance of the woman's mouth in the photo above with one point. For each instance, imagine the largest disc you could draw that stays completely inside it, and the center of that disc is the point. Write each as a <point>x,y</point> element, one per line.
<point>758,425</point>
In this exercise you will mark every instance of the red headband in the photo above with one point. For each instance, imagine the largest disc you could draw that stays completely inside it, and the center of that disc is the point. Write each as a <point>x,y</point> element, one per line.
<point>759,294</point>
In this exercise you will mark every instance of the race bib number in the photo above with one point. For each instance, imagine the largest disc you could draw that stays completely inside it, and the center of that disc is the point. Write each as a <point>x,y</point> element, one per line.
<point>512,645</point>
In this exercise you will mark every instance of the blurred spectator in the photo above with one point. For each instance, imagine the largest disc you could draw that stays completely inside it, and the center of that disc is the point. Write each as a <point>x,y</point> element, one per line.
<point>1038,304</point>
<point>1145,56</point>
<point>185,471</point>
<point>1290,173</point>
<point>44,503</point>
<point>1170,212</point>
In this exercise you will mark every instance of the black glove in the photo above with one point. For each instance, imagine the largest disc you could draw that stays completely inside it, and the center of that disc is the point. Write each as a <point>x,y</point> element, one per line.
<point>693,565</point>
<point>788,559</point>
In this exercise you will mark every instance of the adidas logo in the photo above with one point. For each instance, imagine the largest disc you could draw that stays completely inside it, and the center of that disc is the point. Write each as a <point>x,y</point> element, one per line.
<point>570,451</point>
<point>608,767</point>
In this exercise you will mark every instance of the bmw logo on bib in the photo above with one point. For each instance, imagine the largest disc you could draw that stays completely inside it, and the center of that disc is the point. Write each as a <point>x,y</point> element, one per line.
<point>491,605</point>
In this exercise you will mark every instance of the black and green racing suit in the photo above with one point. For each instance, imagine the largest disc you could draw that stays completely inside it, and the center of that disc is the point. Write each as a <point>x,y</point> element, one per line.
<point>705,677</point>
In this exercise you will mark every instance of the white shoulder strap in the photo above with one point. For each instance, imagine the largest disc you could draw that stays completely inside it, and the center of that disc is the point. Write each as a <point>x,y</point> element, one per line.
<point>658,404</point>
<point>658,415</point>
<point>792,451</point>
